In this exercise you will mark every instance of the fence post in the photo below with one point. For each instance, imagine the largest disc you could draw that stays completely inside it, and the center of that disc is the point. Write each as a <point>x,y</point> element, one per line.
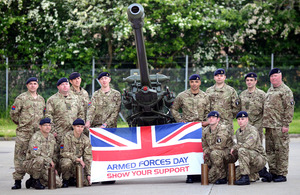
<point>93,76</point>
<point>6,99</point>
<point>186,70</point>
<point>227,63</point>
<point>272,61</point>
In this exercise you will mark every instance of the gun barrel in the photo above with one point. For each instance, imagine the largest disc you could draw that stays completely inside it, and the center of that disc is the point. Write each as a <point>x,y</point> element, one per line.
<point>136,15</point>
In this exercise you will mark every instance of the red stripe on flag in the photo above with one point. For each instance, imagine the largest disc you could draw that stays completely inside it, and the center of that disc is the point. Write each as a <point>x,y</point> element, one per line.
<point>176,133</point>
<point>106,138</point>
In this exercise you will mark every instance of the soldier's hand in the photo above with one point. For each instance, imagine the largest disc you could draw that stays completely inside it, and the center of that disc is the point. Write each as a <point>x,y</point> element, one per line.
<point>55,134</point>
<point>81,162</point>
<point>204,123</point>
<point>87,124</point>
<point>231,151</point>
<point>285,129</point>
<point>52,164</point>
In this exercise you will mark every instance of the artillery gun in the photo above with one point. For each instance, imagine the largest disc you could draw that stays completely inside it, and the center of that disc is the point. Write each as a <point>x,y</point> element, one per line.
<point>147,101</point>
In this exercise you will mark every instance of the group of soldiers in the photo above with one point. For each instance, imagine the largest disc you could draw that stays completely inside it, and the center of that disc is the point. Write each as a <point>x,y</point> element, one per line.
<point>254,110</point>
<point>55,134</point>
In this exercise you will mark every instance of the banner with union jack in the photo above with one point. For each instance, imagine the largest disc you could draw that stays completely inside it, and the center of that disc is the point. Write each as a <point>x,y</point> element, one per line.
<point>148,151</point>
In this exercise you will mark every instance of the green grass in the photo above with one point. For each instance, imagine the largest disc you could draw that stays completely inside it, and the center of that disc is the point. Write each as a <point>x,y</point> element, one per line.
<point>8,128</point>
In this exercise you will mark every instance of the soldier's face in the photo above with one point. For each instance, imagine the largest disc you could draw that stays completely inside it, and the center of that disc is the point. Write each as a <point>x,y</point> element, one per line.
<point>32,86</point>
<point>76,82</point>
<point>213,120</point>
<point>104,81</point>
<point>242,121</point>
<point>220,78</point>
<point>195,84</point>
<point>78,129</point>
<point>64,87</point>
<point>45,128</point>
<point>276,79</point>
<point>251,82</point>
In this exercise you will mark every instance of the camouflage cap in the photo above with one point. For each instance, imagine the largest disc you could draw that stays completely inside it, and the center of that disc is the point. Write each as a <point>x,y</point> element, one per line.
<point>62,80</point>
<point>74,75</point>
<point>274,71</point>
<point>213,113</point>
<point>78,121</point>
<point>45,120</point>
<point>251,75</point>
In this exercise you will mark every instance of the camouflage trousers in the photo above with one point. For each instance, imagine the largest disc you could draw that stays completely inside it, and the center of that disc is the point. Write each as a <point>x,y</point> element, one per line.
<point>250,162</point>
<point>38,168</point>
<point>68,170</point>
<point>277,149</point>
<point>259,130</point>
<point>229,126</point>
<point>21,146</point>
<point>218,161</point>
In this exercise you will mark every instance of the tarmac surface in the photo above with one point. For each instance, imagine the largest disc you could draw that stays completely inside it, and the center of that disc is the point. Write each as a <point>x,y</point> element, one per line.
<point>161,185</point>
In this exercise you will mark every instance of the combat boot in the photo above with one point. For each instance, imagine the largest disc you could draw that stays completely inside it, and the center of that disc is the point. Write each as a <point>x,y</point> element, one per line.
<point>266,176</point>
<point>65,183</point>
<point>17,185</point>
<point>280,178</point>
<point>221,181</point>
<point>29,181</point>
<point>37,184</point>
<point>244,180</point>
<point>72,181</point>
<point>189,179</point>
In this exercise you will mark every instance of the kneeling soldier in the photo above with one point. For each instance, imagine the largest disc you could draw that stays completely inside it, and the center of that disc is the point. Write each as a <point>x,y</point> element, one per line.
<point>75,150</point>
<point>217,142</point>
<point>41,156</point>
<point>251,154</point>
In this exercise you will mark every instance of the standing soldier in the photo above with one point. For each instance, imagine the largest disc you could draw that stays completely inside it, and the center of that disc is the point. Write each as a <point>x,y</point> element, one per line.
<point>223,99</point>
<point>278,114</point>
<point>216,143</point>
<point>26,112</point>
<point>195,107</point>
<point>75,80</point>
<point>81,93</point>
<point>105,105</point>
<point>63,108</point>
<point>77,151</point>
<point>40,156</point>
<point>252,101</point>
<point>251,154</point>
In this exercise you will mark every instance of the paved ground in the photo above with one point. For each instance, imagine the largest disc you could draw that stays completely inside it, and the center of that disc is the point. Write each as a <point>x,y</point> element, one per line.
<point>167,185</point>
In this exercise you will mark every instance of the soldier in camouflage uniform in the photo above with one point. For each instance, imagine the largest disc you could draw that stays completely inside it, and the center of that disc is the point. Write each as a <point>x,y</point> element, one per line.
<point>41,155</point>
<point>26,112</point>
<point>76,151</point>
<point>216,143</point>
<point>223,99</point>
<point>81,93</point>
<point>252,101</point>
<point>105,105</point>
<point>251,154</point>
<point>195,107</point>
<point>63,108</point>
<point>278,114</point>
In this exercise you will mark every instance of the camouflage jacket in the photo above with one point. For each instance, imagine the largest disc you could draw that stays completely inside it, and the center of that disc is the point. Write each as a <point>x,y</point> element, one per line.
<point>225,101</point>
<point>104,108</point>
<point>249,139</point>
<point>253,104</point>
<point>279,107</point>
<point>195,108</point>
<point>84,98</point>
<point>63,111</point>
<point>42,147</point>
<point>218,139</point>
<point>73,148</point>
<point>27,112</point>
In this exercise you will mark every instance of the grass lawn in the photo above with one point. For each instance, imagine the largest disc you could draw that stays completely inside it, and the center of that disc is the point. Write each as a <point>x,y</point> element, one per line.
<point>8,128</point>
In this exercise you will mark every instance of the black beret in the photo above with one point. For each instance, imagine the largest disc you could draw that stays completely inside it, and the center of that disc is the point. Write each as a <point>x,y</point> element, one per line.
<point>74,75</point>
<point>45,120</point>
<point>213,113</point>
<point>31,79</point>
<point>102,74</point>
<point>242,114</point>
<point>62,80</point>
<point>78,121</point>
<point>274,71</point>
<point>219,71</point>
<point>251,75</point>
<point>195,77</point>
